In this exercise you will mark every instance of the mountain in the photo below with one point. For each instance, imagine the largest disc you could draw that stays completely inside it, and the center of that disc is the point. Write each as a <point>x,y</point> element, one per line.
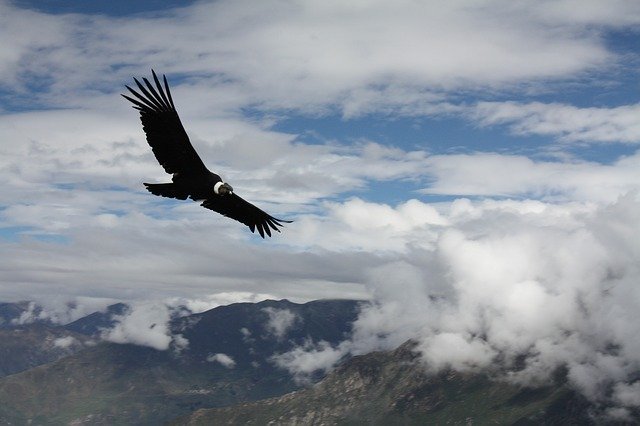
<point>248,332</point>
<point>11,313</point>
<point>394,388</point>
<point>29,339</point>
<point>93,324</point>
<point>27,346</point>
<point>123,383</point>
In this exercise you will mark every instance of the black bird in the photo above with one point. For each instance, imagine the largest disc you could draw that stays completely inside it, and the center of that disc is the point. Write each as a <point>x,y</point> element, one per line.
<point>191,178</point>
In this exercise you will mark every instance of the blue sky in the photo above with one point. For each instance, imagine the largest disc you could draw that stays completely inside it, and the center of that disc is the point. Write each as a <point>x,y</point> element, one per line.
<point>305,107</point>
<point>486,152</point>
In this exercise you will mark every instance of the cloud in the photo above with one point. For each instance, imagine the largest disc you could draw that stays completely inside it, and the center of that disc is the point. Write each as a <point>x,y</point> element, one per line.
<point>145,324</point>
<point>309,56</point>
<point>212,301</point>
<point>569,123</point>
<point>522,287</point>
<point>628,395</point>
<point>223,359</point>
<point>65,342</point>
<point>493,174</point>
<point>549,285</point>
<point>302,361</point>
<point>356,224</point>
<point>280,321</point>
<point>33,313</point>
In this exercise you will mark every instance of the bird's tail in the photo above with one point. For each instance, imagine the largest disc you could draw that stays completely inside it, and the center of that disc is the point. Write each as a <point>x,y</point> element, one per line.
<point>170,190</point>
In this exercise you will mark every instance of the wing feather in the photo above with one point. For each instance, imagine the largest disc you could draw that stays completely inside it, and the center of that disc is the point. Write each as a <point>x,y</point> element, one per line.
<point>163,128</point>
<point>237,208</point>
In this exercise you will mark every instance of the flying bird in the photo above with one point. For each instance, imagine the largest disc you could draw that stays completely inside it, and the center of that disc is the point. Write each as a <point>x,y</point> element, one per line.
<point>190,177</point>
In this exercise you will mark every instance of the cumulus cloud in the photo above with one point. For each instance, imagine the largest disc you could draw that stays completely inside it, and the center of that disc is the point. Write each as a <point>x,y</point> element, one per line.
<point>524,287</point>
<point>145,324</point>
<point>280,321</point>
<point>65,342</point>
<point>223,359</point>
<point>518,283</point>
<point>302,361</point>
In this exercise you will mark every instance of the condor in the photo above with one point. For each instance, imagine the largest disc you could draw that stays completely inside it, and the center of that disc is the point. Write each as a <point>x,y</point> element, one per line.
<point>174,152</point>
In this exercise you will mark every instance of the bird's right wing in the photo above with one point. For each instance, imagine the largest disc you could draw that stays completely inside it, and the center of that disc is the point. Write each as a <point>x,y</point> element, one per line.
<point>161,124</point>
<point>237,208</point>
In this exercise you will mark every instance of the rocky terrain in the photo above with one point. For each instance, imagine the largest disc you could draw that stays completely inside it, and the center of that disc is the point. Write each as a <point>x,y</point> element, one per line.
<point>393,387</point>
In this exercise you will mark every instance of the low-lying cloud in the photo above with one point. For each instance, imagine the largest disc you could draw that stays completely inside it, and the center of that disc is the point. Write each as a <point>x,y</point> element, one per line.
<point>145,324</point>
<point>523,287</point>
<point>222,359</point>
<point>280,321</point>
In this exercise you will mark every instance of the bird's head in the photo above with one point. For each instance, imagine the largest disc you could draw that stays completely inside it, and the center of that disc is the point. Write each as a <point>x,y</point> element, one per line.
<point>222,188</point>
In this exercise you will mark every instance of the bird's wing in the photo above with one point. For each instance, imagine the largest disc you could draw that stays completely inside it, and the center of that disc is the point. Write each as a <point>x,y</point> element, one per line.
<point>235,207</point>
<point>161,124</point>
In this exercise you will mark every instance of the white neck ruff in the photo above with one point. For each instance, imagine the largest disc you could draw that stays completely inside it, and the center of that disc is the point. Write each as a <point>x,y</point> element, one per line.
<point>216,187</point>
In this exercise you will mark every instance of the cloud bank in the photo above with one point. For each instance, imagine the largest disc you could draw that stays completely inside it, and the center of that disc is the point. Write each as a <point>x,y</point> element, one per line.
<point>145,324</point>
<point>527,287</point>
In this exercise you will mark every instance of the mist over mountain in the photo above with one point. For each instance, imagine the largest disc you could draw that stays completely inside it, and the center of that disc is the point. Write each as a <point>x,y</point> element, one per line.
<point>29,338</point>
<point>13,314</point>
<point>27,346</point>
<point>221,357</point>
<point>255,363</point>
<point>394,387</point>
<point>94,324</point>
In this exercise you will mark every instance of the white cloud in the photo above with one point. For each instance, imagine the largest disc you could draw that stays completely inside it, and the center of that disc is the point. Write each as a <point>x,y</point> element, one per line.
<point>360,225</point>
<point>628,395</point>
<point>456,351</point>
<point>65,342</point>
<point>567,122</point>
<point>554,283</point>
<point>303,361</point>
<point>145,324</point>
<point>212,301</point>
<point>223,359</point>
<point>32,314</point>
<point>492,174</point>
<point>280,321</point>
<point>311,56</point>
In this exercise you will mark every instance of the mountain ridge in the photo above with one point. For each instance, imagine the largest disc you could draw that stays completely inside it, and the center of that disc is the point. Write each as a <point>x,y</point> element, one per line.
<point>393,387</point>
<point>113,383</point>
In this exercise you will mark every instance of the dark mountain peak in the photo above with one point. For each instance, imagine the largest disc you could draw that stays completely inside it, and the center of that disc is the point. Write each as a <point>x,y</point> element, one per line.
<point>228,359</point>
<point>251,333</point>
<point>92,324</point>
<point>17,313</point>
<point>26,346</point>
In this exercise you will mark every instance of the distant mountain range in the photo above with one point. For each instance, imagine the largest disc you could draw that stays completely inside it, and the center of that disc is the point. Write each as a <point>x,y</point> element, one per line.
<point>227,361</point>
<point>65,374</point>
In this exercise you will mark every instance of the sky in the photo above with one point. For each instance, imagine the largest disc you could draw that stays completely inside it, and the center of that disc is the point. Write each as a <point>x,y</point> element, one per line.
<point>472,167</point>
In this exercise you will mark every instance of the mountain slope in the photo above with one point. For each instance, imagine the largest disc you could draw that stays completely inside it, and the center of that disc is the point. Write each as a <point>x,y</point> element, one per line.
<point>124,384</point>
<point>393,388</point>
<point>24,347</point>
<point>93,324</point>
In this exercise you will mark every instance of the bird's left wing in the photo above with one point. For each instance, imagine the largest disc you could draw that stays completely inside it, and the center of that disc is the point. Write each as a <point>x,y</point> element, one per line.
<point>164,130</point>
<point>237,208</point>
